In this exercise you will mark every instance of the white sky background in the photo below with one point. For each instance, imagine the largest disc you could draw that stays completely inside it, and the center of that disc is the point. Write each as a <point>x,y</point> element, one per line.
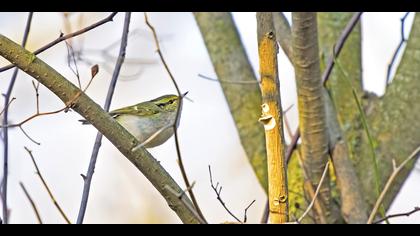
<point>120,193</point>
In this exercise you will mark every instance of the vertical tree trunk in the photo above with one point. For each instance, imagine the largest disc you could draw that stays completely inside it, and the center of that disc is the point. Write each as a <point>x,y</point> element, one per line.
<point>312,119</point>
<point>272,119</point>
<point>244,99</point>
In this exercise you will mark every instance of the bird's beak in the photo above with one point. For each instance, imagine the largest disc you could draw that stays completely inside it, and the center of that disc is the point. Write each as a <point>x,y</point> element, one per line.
<point>183,95</point>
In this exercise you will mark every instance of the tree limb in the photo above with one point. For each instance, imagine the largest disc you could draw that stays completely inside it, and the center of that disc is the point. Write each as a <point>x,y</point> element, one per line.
<point>101,120</point>
<point>312,120</point>
<point>231,63</point>
<point>98,140</point>
<point>272,119</point>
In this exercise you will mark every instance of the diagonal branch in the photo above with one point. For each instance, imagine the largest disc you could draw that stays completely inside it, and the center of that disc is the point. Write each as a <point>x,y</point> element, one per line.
<point>308,209</point>
<point>38,172</point>
<point>177,117</point>
<point>98,141</point>
<point>388,184</point>
<point>31,201</point>
<point>340,44</point>
<point>67,36</point>
<point>101,120</point>
<point>416,209</point>
<point>397,50</point>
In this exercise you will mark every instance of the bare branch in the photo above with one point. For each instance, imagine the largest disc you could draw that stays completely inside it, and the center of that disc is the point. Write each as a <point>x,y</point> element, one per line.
<point>397,50</point>
<point>416,209</point>
<point>229,81</point>
<point>218,190</point>
<point>246,210</point>
<point>339,45</point>
<point>5,122</point>
<point>72,59</point>
<point>388,184</point>
<point>98,141</point>
<point>29,137</point>
<point>67,36</point>
<point>316,193</point>
<point>7,105</point>
<point>123,140</point>
<point>178,150</point>
<point>38,172</point>
<point>34,208</point>
<point>38,113</point>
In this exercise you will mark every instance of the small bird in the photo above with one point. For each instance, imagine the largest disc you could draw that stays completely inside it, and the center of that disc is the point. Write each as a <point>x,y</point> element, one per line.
<point>149,118</point>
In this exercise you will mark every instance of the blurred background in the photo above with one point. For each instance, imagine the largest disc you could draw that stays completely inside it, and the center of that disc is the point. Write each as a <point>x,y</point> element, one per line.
<point>119,192</point>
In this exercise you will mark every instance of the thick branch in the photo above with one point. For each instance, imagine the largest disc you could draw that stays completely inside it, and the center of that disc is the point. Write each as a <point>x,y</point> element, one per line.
<point>272,119</point>
<point>353,205</point>
<point>312,120</point>
<point>100,119</point>
<point>231,63</point>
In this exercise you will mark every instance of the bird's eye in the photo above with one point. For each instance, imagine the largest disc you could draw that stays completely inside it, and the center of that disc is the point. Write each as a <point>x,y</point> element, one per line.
<point>171,101</point>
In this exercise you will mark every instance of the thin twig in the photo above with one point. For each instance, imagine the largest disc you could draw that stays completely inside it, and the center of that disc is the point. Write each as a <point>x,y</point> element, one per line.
<point>35,209</point>
<point>416,209</point>
<point>246,210</point>
<point>38,172</point>
<point>397,50</point>
<point>229,81</point>
<point>178,150</point>
<point>72,59</point>
<point>29,137</point>
<point>218,192</point>
<point>38,113</point>
<point>67,36</point>
<point>98,141</point>
<point>339,45</point>
<point>5,122</point>
<point>388,184</point>
<point>308,209</point>
<point>36,88</point>
<point>6,107</point>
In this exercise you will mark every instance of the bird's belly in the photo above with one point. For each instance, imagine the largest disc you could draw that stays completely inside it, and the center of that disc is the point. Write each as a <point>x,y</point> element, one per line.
<point>143,128</point>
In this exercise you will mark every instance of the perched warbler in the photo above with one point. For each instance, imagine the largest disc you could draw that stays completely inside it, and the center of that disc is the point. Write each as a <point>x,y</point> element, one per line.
<point>149,118</point>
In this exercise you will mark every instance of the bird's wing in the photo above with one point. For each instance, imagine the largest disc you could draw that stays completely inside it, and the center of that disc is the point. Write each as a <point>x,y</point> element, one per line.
<point>140,109</point>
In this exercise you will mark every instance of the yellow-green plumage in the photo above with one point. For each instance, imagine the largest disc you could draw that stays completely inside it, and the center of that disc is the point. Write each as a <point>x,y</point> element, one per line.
<point>148,118</point>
